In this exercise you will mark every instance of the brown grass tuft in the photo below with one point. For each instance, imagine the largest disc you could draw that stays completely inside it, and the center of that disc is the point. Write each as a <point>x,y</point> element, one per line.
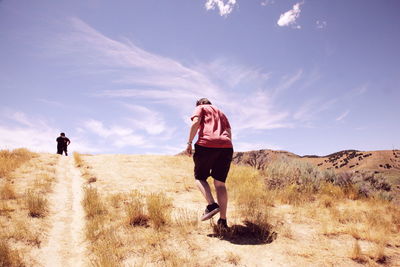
<point>10,160</point>
<point>36,203</point>
<point>232,258</point>
<point>78,160</point>
<point>92,180</point>
<point>356,254</point>
<point>186,221</point>
<point>159,209</point>
<point>7,191</point>
<point>9,257</point>
<point>135,211</point>
<point>92,202</point>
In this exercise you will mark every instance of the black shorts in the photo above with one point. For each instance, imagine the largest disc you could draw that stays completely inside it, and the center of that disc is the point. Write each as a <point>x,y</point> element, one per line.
<point>61,149</point>
<point>214,162</point>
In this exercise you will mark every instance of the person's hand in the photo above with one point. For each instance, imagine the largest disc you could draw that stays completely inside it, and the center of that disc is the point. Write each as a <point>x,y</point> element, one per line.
<point>189,149</point>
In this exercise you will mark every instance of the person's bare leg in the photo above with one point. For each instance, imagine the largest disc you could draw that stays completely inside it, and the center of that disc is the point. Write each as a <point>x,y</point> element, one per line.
<point>205,189</point>
<point>222,197</point>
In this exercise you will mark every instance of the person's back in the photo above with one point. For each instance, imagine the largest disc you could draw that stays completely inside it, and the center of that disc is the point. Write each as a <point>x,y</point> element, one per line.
<point>212,156</point>
<point>214,130</point>
<point>62,144</point>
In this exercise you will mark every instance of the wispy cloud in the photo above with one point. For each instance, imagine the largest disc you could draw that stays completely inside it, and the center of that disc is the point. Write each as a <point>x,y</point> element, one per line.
<point>145,119</point>
<point>321,24</point>
<point>267,2</point>
<point>248,95</point>
<point>115,135</point>
<point>225,7</point>
<point>18,129</point>
<point>149,74</point>
<point>311,109</point>
<point>343,115</point>
<point>51,103</point>
<point>358,91</point>
<point>289,17</point>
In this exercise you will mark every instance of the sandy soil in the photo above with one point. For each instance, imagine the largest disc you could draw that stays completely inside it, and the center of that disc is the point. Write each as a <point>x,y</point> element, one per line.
<point>65,245</point>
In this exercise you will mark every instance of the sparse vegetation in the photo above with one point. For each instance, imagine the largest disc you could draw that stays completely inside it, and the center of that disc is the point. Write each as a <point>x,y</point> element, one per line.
<point>357,254</point>
<point>252,200</point>
<point>10,160</point>
<point>149,208</point>
<point>159,208</point>
<point>297,181</point>
<point>7,191</point>
<point>135,210</point>
<point>232,258</point>
<point>92,202</point>
<point>36,203</point>
<point>25,179</point>
<point>78,160</point>
<point>8,256</point>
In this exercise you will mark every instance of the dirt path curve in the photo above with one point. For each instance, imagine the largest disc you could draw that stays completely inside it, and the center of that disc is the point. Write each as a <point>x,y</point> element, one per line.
<point>65,246</point>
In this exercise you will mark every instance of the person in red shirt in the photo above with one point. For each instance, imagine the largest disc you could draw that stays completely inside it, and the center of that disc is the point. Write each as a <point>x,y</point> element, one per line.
<point>212,156</point>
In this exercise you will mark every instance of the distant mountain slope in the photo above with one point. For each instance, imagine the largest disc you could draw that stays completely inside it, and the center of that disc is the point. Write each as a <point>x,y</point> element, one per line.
<point>382,161</point>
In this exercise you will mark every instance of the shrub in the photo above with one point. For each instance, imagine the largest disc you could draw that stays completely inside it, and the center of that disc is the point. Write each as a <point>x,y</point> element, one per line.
<point>294,178</point>
<point>285,172</point>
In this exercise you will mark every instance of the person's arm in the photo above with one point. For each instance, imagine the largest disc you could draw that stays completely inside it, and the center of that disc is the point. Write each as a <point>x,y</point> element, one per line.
<point>193,131</point>
<point>68,142</point>
<point>229,132</point>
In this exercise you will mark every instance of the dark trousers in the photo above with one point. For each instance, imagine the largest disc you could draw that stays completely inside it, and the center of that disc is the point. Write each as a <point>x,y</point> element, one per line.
<point>61,149</point>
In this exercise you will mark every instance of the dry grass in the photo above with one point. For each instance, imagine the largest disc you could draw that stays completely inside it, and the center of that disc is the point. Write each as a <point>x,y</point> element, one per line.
<point>232,258</point>
<point>78,160</point>
<point>92,202</point>
<point>28,177</point>
<point>159,209</point>
<point>8,256</point>
<point>11,160</point>
<point>7,191</point>
<point>135,210</point>
<point>36,203</point>
<point>186,221</point>
<point>85,168</point>
<point>104,243</point>
<point>357,254</point>
<point>147,223</point>
<point>253,202</point>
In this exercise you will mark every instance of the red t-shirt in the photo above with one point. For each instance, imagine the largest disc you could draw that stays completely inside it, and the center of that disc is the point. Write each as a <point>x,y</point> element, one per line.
<point>214,130</point>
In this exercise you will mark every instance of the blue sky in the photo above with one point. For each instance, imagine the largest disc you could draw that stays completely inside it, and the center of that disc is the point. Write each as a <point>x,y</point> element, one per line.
<point>310,77</point>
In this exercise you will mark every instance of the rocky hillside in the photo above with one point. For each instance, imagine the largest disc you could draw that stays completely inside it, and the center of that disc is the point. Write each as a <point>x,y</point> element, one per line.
<point>384,161</point>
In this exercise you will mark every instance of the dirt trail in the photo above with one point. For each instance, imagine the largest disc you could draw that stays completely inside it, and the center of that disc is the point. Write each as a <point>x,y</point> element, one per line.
<point>65,246</point>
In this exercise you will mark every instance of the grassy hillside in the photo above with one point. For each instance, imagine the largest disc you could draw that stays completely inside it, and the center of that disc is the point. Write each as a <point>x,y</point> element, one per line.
<point>385,162</point>
<point>143,210</point>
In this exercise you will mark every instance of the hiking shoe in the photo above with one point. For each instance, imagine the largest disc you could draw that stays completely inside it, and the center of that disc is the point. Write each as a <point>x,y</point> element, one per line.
<point>222,225</point>
<point>210,211</point>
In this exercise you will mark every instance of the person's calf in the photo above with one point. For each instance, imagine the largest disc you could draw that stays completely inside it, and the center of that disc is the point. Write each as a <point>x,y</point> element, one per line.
<point>205,189</point>
<point>222,197</point>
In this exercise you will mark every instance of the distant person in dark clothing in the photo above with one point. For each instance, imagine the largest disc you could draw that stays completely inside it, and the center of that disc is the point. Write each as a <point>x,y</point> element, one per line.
<point>62,144</point>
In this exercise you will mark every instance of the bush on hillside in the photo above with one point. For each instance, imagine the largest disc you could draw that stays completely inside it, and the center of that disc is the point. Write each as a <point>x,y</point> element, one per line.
<point>305,177</point>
